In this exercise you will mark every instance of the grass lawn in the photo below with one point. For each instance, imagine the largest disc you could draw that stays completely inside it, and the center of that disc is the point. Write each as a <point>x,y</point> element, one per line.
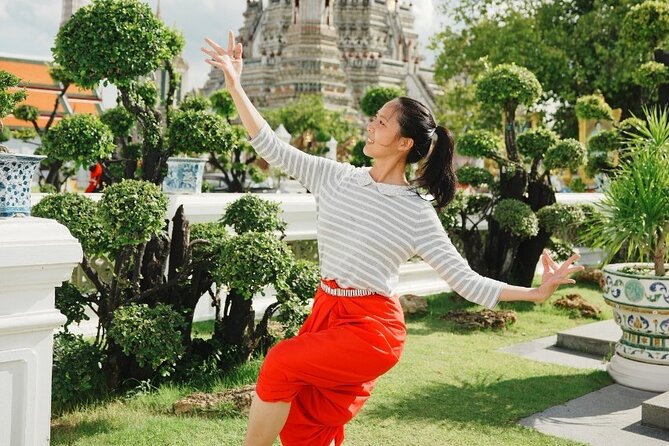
<point>450,388</point>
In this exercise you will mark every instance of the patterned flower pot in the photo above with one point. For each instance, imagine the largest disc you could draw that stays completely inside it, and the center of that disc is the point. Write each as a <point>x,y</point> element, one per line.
<point>184,176</point>
<point>16,177</point>
<point>641,308</point>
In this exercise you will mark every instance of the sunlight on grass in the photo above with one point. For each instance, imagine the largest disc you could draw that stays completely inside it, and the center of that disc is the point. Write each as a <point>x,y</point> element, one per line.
<point>451,388</point>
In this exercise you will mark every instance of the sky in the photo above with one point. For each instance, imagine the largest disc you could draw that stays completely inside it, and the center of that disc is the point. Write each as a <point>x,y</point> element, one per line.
<point>28,27</point>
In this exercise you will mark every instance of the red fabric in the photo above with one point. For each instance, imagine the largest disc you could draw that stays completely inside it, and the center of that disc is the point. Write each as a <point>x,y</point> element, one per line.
<point>329,369</point>
<point>95,178</point>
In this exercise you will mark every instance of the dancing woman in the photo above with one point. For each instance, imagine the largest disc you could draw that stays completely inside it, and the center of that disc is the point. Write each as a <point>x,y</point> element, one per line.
<point>370,221</point>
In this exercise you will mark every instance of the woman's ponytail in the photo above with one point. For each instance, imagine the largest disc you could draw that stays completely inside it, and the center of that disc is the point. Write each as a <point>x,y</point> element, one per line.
<point>436,173</point>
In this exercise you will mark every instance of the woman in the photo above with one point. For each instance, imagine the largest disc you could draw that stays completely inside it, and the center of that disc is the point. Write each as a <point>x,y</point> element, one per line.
<point>370,221</point>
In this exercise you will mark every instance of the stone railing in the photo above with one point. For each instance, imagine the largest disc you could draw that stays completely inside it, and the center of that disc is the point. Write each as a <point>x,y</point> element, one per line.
<point>36,255</point>
<point>299,211</point>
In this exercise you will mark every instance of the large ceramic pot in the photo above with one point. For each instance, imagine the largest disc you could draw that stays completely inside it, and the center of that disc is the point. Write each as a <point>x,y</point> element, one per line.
<point>184,176</point>
<point>16,177</point>
<point>641,308</point>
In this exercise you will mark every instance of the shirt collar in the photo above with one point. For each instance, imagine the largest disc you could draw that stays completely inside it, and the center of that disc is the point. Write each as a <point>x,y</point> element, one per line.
<point>365,179</point>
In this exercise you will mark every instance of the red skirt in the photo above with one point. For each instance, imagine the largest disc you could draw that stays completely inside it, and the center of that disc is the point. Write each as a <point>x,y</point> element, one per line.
<point>329,369</point>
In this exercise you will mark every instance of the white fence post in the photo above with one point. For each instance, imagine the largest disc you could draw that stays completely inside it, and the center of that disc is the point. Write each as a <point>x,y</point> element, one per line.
<point>36,255</point>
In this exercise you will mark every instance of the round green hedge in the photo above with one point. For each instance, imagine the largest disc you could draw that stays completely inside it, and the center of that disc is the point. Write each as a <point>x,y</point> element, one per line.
<point>516,217</point>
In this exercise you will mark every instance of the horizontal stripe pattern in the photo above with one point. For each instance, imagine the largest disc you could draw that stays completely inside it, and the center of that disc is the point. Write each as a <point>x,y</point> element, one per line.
<point>366,230</point>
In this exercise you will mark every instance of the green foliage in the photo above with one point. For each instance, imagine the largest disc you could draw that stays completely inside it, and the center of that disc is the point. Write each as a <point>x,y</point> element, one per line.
<point>516,217</point>
<point>593,107</point>
<point>560,250</point>
<point>5,134</point>
<point>81,138</point>
<point>222,103</point>
<point>252,261</point>
<point>602,148</point>
<point>566,154</point>
<point>507,86</point>
<point>358,157</point>
<point>646,26</point>
<point>536,142</point>
<point>253,214</point>
<point>79,214</point>
<point>214,233</point>
<point>478,143</point>
<point>635,208</point>
<point>8,100</point>
<point>474,176</point>
<point>132,211</point>
<point>308,113</point>
<point>577,185</point>
<point>119,120</point>
<point>72,303</point>
<point>375,98</point>
<point>300,286</point>
<point>77,371</point>
<point>144,92</point>
<point>197,132</point>
<point>24,134</point>
<point>650,76</point>
<point>151,335</point>
<point>116,40</point>
<point>26,112</point>
<point>561,219</point>
<point>194,102</point>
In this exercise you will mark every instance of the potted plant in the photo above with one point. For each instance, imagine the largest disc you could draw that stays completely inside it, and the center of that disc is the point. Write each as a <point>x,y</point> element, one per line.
<point>192,132</point>
<point>635,219</point>
<point>16,170</point>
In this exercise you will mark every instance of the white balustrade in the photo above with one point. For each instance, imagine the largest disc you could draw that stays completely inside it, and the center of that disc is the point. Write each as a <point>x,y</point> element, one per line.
<point>36,255</point>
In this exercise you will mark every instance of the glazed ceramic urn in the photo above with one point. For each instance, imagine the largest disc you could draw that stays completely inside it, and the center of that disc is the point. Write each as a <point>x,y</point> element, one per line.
<point>184,175</point>
<point>641,308</point>
<point>16,175</point>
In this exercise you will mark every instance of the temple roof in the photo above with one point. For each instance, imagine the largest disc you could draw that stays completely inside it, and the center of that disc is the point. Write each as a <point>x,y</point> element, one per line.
<point>42,91</point>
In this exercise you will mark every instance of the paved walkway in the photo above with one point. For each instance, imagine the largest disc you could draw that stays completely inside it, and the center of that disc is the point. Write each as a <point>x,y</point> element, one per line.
<point>608,417</point>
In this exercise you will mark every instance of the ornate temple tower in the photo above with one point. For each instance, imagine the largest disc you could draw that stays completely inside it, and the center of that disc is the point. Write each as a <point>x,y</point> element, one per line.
<point>336,48</point>
<point>69,8</point>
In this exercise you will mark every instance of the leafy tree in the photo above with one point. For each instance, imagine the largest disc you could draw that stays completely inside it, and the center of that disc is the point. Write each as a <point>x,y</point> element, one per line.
<point>83,139</point>
<point>307,117</point>
<point>511,248</point>
<point>375,97</point>
<point>9,99</point>
<point>119,41</point>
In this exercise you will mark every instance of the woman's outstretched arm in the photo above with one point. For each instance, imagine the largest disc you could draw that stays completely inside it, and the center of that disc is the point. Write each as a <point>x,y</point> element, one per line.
<point>312,171</point>
<point>230,62</point>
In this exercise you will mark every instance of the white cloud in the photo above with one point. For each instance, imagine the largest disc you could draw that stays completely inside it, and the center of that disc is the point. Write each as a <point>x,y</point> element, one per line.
<point>3,10</point>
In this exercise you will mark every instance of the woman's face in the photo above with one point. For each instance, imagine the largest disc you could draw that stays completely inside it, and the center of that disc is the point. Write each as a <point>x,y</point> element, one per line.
<point>383,133</point>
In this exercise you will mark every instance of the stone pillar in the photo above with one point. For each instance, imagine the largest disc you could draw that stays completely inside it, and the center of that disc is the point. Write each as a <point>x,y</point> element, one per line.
<point>36,255</point>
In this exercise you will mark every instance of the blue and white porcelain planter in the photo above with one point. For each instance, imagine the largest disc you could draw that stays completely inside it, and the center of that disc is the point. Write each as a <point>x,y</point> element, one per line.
<point>16,177</point>
<point>641,308</point>
<point>184,176</point>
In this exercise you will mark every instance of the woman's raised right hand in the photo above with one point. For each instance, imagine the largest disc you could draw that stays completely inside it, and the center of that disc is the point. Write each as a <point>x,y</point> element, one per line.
<point>230,61</point>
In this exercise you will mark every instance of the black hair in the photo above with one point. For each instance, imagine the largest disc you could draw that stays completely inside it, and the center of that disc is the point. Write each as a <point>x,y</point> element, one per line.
<point>432,144</point>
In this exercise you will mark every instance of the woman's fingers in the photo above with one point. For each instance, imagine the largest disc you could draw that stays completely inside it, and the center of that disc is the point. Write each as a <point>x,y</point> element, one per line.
<point>238,51</point>
<point>231,42</point>
<point>217,48</point>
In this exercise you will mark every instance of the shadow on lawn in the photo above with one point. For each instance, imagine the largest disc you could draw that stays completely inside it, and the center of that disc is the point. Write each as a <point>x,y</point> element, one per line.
<point>64,432</point>
<point>489,400</point>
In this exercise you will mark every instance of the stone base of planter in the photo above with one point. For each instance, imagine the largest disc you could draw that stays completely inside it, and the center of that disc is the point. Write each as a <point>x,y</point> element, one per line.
<point>639,375</point>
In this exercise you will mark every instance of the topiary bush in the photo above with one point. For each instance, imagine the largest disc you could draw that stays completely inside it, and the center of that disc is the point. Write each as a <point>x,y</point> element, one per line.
<point>478,143</point>
<point>301,284</point>
<point>474,176</point>
<point>150,334</point>
<point>375,97</point>
<point>128,221</point>
<point>536,142</point>
<point>253,214</point>
<point>516,217</point>
<point>566,154</point>
<point>81,138</point>
<point>593,107</point>
<point>77,372</point>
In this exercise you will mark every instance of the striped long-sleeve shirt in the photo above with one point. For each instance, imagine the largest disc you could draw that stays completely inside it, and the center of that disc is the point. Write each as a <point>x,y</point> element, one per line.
<point>366,230</point>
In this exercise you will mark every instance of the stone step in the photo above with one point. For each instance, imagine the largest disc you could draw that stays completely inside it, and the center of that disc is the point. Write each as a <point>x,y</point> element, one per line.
<point>598,338</point>
<point>655,411</point>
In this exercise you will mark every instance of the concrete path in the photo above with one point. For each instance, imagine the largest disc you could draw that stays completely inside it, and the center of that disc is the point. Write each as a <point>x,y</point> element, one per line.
<point>608,417</point>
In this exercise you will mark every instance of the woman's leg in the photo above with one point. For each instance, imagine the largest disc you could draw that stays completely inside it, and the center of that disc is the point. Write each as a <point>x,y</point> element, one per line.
<point>265,421</point>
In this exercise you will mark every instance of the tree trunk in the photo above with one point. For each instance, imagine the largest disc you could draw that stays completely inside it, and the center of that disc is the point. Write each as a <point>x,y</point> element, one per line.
<point>662,57</point>
<point>540,195</point>
<point>233,329</point>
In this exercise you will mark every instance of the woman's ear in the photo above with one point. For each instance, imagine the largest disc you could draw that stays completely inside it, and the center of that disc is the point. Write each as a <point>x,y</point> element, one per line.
<point>405,144</point>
